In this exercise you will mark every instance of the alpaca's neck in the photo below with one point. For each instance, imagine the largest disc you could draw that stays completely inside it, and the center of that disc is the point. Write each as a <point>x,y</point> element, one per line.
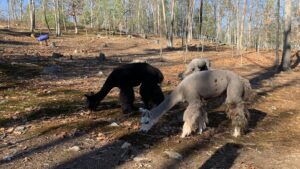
<point>99,96</point>
<point>167,104</point>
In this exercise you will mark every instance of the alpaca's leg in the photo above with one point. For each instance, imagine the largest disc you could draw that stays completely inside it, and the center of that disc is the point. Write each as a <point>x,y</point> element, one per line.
<point>191,117</point>
<point>236,109</point>
<point>203,120</point>
<point>186,129</point>
<point>126,99</point>
<point>238,114</point>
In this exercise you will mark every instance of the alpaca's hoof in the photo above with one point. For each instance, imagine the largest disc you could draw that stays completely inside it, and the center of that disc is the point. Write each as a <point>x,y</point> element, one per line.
<point>202,126</point>
<point>186,130</point>
<point>145,128</point>
<point>145,119</point>
<point>142,110</point>
<point>236,132</point>
<point>185,134</point>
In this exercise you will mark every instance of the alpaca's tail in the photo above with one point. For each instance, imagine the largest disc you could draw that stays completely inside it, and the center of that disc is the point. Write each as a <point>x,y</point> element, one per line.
<point>249,93</point>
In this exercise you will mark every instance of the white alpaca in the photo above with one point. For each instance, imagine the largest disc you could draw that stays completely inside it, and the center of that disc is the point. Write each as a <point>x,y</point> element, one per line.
<point>198,87</point>
<point>198,64</point>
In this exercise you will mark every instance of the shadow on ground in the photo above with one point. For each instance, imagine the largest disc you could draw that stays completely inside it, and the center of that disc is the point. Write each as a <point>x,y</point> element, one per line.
<point>101,158</point>
<point>10,42</point>
<point>295,60</point>
<point>16,72</point>
<point>14,33</point>
<point>45,111</point>
<point>85,129</point>
<point>224,157</point>
<point>190,48</point>
<point>26,67</point>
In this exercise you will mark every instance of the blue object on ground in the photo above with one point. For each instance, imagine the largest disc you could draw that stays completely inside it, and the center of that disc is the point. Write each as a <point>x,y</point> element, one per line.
<point>43,37</point>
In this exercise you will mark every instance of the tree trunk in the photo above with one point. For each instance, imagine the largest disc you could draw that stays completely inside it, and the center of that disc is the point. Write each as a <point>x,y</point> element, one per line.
<point>277,32</point>
<point>183,25</point>
<point>63,15</point>
<point>200,18</point>
<point>170,35</point>
<point>164,17</point>
<point>190,20</point>
<point>200,26</point>
<point>92,6</point>
<point>75,24</point>
<point>241,46</point>
<point>186,25</point>
<point>219,21</point>
<point>8,19</point>
<point>286,53</point>
<point>21,10</point>
<point>298,34</point>
<point>229,29</point>
<point>13,5</point>
<point>160,30</point>
<point>154,18</point>
<point>57,18</point>
<point>158,17</point>
<point>238,27</point>
<point>32,15</point>
<point>45,15</point>
<point>227,37</point>
<point>138,16</point>
<point>249,40</point>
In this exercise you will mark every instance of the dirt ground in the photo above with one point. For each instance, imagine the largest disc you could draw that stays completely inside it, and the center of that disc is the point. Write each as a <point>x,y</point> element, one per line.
<point>44,122</point>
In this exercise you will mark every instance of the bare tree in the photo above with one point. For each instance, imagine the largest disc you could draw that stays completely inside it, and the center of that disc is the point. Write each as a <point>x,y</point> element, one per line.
<point>218,20</point>
<point>57,18</point>
<point>298,19</point>
<point>44,6</point>
<point>9,15</point>
<point>138,16</point>
<point>13,8</point>
<point>92,14</point>
<point>160,30</point>
<point>158,17</point>
<point>218,13</point>
<point>286,53</point>
<point>250,24</point>
<point>241,33</point>
<point>277,32</point>
<point>63,14</point>
<point>190,20</point>
<point>200,16</point>
<point>238,27</point>
<point>21,9</point>
<point>164,17</point>
<point>153,6</point>
<point>200,24</point>
<point>32,15</point>
<point>170,35</point>
<point>75,8</point>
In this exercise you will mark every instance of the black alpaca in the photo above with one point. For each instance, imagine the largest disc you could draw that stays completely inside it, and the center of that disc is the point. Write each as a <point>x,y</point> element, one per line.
<point>125,78</point>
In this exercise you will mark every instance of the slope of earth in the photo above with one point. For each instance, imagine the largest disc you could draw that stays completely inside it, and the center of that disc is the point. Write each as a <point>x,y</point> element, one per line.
<point>44,122</point>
